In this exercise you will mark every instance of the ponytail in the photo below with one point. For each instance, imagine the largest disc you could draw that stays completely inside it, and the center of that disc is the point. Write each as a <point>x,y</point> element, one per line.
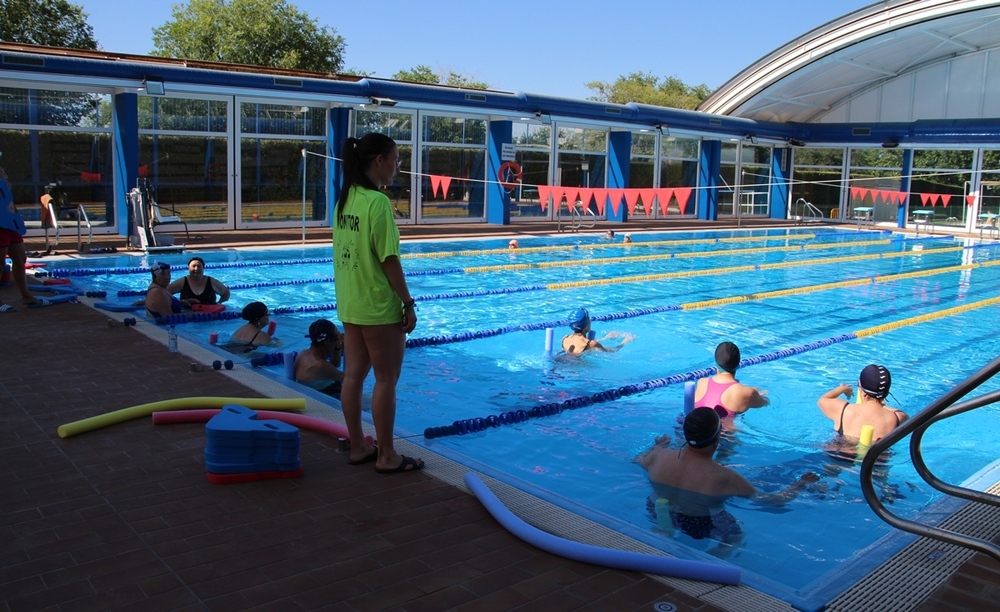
<point>357,155</point>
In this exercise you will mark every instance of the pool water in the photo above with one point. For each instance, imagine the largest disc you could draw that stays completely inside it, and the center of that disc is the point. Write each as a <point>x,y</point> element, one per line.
<point>583,458</point>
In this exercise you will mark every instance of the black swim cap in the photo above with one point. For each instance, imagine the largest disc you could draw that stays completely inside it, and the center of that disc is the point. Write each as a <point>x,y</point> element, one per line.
<point>727,355</point>
<point>702,427</point>
<point>875,381</point>
<point>322,330</point>
<point>254,311</point>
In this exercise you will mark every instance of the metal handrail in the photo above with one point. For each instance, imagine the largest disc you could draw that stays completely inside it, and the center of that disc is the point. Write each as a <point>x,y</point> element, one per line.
<point>939,409</point>
<point>815,213</point>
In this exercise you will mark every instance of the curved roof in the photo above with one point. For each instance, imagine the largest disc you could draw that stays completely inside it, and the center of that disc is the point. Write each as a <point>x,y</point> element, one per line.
<point>893,61</point>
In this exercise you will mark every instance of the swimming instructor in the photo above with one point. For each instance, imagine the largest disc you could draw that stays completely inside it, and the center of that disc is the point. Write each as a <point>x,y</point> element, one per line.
<point>373,301</point>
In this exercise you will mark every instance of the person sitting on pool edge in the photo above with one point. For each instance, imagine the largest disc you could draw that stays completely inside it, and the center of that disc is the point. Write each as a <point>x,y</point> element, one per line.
<point>723,392</point>
<point>317,367</point>
<point>848,418</point>
<point>578,342</point>
<point>251,335</point>
<point>158,301</point>
<point>197,287</point>
<point>695,487</point>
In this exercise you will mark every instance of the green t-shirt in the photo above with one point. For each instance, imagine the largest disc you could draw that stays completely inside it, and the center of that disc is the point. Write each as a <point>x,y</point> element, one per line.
<point>364,235</point>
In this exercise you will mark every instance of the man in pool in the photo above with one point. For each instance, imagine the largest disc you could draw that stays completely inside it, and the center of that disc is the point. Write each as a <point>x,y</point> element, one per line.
<point>722,392</point>
<point>578,342</point>
<point>692,487</point>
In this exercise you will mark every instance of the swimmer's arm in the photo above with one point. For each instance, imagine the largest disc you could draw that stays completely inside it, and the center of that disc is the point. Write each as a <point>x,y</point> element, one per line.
<point>175,286</point>
<point>757,398</point>
<point>645,458</point>
<point>787,494</point>
<point>830,403</point>
<point>221,289</point>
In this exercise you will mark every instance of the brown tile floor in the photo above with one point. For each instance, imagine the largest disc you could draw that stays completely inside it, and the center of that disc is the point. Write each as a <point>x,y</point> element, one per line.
<point>124,518</point>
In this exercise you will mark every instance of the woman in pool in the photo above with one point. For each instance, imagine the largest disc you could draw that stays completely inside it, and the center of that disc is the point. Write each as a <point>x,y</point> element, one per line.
<point>317,367</point>
<point>158,301</point>
<point>197,288</point>
<point>848,418</point>
<point>578,342</point>
<point>373,301</point>
<point>251,335</point>
<point>723,392</point>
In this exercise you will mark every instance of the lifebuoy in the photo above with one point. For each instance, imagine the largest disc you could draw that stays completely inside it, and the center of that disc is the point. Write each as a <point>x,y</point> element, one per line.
<point>509,175</point>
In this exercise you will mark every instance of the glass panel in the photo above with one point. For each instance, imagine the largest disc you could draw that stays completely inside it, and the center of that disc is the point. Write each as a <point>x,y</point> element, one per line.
<point>991,160</point>
<point>818,186</point>
<point>455,130</point>
<point>641,176</point>
<point>727,176</point>
<point>54,108</point>
<point>677,147</point>
<point>580,170</point>
<point>877,158</point>
<point>398,126</point>
<point>190,175</point>
<point>811,156</point>
<point>945,159</point>
<point>531,135</point>
<point>755,190</point>
<point>643,144</point>
<point>282,119</point>
<point>535,171</point>
<point>74,167</point>
<point>271,180</point>
<point>399,190</point>
<point>680,173</point>
<point>581,139</point>
<point>753,154</point>
<point>466,193</point>
<point>878,169</point>
<point>182,114</point>
<point>942,172</point>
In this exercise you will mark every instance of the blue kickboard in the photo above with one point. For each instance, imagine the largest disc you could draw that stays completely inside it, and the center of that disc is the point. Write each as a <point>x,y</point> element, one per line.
<point>244,468</point>
<point>239,422</point>
<point>117,306</point>
<point>258,454</point>
<point>237,443</point>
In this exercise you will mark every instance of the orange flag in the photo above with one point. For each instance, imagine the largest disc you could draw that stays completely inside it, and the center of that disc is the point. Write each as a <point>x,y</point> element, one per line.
<point>683,195</point>
<point>663,195</point>
<point>970,200</point>
<point>631,199</point>
<point>445,182</point>
<point>544,191</point>
<point>616,199</point>
<point>601,198</point>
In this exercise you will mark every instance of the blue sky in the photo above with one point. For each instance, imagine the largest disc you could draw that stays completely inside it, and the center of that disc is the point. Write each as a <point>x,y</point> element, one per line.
<point>549,47</point>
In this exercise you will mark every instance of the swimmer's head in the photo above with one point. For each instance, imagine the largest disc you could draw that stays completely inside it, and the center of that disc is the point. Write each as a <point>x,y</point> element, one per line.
<point>322,330</point>
<point>159,268</point>
<point>579,321</point>
<point>254,311</point>
<point>875,381</point>
<point>702,427</point>
<point>727,355</point>
<point>628,237</point>
<point>512,244</point>
<point>609,234</point>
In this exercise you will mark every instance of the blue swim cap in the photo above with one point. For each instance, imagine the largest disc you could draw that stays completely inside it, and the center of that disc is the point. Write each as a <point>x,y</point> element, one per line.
<point>579,321</point>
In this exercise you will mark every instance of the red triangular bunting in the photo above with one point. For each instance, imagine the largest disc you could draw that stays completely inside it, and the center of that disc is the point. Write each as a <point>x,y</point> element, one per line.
<point>435,183</point>
<point>631,199</point>
<point>903,197</point>
<point>970,199</point>
<point>616,199</point>
<point>445,183</point>
<point>945,198</point>
<point>144,171</point>
<point>572,195</point>
<point>664,195</point>
<point>601,198</point>
<point>924,197</point>
<point>856,193</point>
<point>586,194</point>
<point>544,191</point>
<point>647,195</point>
<point>683,194</point>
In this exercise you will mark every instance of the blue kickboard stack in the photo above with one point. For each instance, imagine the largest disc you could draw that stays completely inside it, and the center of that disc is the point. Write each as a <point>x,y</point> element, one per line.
<point>238,443</point>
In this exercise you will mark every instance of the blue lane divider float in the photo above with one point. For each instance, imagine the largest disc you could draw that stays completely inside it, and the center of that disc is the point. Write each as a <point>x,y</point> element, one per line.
<point>477,424</point>
<point>596,555</point>
<point>299,281</point>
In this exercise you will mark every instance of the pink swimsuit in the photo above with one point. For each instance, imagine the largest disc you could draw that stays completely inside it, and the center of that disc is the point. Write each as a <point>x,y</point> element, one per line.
<point>713,397</point>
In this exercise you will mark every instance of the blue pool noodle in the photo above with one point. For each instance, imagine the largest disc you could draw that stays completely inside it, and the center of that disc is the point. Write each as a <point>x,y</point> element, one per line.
<point>290,364</point>
<point>606,557</point>
<point>689,387</point>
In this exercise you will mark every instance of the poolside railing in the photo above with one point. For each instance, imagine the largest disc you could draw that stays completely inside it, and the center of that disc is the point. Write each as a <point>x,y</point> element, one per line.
<point>938,410</point>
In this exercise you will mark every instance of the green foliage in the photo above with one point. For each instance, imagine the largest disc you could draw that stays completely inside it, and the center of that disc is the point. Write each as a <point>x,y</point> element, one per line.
<point>644,88</point>
<point>54,23</point>
<point>269,33</point>
<point>422,73</point>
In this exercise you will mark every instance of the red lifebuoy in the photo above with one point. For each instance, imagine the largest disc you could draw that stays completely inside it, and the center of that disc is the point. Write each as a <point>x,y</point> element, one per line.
<point>509,175</point>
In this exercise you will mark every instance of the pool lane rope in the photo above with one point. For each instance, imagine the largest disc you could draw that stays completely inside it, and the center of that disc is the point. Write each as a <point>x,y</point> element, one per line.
<point>477,424</point>
<point>80,272</point>
<point>606,557</point>
<point>182,318</point>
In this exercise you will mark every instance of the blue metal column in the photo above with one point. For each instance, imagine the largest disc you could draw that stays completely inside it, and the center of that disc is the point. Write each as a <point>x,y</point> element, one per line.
<point>781,170</point>
<point>337,132</point>
<point>708,172</point>
<point>125,135</point>
<point>497,198</point>
<point>904,185</point>
<point>619,166</point>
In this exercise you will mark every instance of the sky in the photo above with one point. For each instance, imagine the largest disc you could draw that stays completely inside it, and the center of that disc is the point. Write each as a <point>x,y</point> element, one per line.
<point>551,47</point>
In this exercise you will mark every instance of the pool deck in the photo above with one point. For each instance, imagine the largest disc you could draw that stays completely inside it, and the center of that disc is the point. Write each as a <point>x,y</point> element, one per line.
<point>124,517</point>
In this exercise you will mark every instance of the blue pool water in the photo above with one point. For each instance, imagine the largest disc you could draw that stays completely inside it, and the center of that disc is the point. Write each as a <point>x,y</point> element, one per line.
<point>582,459</point>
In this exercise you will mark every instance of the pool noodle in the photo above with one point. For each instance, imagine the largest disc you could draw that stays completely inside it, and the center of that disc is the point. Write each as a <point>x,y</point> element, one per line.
<point>182,403</point>
<point>867,431</point>
<point>689,387</point>
<point>606,557</point>
<point>289,362</point>
<point>549,336</point>
<point>298,420</point>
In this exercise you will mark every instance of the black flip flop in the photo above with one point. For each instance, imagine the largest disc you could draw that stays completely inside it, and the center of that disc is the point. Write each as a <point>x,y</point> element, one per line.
<point>408,464</point>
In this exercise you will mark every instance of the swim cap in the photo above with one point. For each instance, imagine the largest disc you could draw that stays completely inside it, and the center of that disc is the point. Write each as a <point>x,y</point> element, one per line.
<point>702,427</point>
<point>322,330</point>
<point>158,268</point>
<point>254,311</point>
<point>875,381</point>
<point>579,321</point>
<point>727,355</point>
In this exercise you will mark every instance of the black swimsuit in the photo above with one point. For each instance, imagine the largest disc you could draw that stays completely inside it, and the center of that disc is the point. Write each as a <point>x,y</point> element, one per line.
<point>840,429</point>
<point>208,296</point>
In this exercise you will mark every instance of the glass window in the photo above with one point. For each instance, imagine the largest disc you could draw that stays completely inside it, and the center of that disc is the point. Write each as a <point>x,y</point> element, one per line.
<point>581,162</point>
<point>583,139</point>
<point>642,172</point>
<point>531,135</point>
<point>941,178</point>
<point>54,108</point>
<point>453,168</point>
<point>189,175</point>
<point>875,169</point>
<point>183,114</point>
<point>679,168</point>
<point>282,119</point>
<point>817,176</point>
<point>399,127</point>
<point>456,130</point>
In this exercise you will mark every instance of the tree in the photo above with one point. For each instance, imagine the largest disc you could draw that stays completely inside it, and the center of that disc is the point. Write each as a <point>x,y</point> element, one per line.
<point>644,88</point>
<point>53,23</point>
<point>422,73</point>
<point>269,33</point>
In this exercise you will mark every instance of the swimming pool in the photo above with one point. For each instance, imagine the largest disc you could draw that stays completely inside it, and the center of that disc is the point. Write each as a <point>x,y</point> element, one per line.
<point>581,458</point>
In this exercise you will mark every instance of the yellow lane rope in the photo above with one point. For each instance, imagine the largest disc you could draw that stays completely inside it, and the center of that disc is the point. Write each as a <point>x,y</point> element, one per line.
<point>745,268</point>
<point>871,331</point>
<point>639,258</point>
<point>574,247</point>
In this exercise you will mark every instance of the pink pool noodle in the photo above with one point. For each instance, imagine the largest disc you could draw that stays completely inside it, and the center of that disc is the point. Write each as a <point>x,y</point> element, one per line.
<point>298,420</point>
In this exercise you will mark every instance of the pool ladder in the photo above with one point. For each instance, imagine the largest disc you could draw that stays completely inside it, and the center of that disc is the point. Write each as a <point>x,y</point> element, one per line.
<point>938,410</point>
<point>577,218</point>
<point>808,214</point>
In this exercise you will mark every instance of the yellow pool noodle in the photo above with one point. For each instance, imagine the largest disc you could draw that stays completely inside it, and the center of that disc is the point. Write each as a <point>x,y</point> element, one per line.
<point>867,431</point>
<point>181,403</point>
